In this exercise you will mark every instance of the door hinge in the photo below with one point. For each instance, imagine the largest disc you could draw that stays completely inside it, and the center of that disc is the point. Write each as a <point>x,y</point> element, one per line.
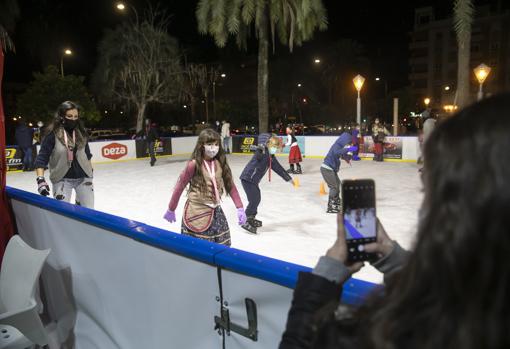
<point>224,323</point>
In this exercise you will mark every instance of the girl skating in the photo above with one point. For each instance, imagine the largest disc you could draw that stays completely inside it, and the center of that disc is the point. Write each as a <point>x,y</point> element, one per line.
<point>209,177</point>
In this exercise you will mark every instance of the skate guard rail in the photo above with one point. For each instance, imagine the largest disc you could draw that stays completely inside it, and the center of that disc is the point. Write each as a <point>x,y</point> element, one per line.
<point>157,281</point>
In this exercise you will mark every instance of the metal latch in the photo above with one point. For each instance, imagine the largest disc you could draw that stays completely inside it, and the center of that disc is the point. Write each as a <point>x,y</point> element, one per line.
<point>224,323</point>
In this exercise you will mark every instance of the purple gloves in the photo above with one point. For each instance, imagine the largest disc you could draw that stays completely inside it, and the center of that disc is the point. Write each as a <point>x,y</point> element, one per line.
<point>352,148</point>
<point>170,216</point>
<point>241,215</point>
<point>42,187</point>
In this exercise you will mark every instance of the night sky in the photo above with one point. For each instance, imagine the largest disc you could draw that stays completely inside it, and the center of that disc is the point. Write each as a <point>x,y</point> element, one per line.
<point>52,25</point>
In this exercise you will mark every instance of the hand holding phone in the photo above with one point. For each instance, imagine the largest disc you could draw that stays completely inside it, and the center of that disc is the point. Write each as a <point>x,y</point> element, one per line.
<point>360,218</point>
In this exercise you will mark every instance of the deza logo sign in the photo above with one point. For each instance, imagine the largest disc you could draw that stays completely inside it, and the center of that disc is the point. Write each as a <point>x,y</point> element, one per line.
<point>114,151</point>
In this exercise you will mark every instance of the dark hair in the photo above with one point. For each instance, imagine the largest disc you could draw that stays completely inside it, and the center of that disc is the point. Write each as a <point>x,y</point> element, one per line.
<point>60,115</point>
<point>453,293</point>
<point>208,136</point>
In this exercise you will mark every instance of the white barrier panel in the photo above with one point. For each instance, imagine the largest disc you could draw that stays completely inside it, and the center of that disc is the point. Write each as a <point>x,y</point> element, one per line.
<point>112,150</point>
<point>410,148</point>
<point>319,145</point>
<point>110,282</point>
<point>183,145</point>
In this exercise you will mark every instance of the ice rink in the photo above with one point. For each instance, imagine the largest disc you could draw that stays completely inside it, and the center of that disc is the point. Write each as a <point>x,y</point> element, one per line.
<point>296,227</point>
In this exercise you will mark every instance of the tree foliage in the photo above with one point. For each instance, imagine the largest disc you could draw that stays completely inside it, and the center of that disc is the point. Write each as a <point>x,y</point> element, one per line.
<point>8,15</point>
<point>293,21</point>
<point>139,63</point>
<point>48,89</point>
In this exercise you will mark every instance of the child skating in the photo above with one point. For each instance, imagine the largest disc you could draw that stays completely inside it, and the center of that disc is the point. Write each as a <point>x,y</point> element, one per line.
<point>263,160</point>
<point>294,152</point>
<point>209,177</point>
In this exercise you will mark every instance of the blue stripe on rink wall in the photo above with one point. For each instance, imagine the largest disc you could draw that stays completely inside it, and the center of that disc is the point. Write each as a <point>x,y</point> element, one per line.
<point>254,265</point>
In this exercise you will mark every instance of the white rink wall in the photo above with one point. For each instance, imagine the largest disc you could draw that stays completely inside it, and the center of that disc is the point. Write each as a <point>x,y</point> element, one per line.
<point>111,282</point>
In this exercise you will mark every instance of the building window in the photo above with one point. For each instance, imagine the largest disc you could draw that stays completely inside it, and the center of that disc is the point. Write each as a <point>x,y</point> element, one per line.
<point>475,48</point>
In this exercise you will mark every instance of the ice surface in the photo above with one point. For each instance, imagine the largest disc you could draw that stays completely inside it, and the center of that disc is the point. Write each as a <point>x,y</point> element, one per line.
<point>296,227</point>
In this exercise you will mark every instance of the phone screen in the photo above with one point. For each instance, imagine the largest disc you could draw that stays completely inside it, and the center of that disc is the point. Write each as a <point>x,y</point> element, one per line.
<point>359,217</point>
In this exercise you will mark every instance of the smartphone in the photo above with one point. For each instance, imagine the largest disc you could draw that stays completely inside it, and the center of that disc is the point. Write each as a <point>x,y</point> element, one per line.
<point>360,220</point>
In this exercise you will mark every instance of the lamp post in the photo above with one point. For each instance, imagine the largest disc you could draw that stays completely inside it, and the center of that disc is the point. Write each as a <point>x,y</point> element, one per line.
<point>122,6</point>
<point>358,83</point>
<point>481,73</point>
<point>427,102</point>
<point>66,52</point>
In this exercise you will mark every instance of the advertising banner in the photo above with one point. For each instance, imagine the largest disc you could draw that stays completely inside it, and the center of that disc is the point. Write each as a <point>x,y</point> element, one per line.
<point>392,147</point>
<point>242,144</point>
<point>14,158</point>
<point>103,151</point>
<point>161,147</point>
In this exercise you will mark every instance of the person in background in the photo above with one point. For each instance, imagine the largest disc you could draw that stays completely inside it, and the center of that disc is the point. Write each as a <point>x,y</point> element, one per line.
<point>209,176</point>
<point>225,135</point>
<point>378,134</point>
<point>356,138</point>
<point>24,139</point>
<point>452,290</point>
<point>150,135</point>
<point>294,152</point>
<point>65,150</point>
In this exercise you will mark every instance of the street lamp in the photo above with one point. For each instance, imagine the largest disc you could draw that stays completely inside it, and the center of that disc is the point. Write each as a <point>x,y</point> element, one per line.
<point>122,7</point>
<point>299,85</point>
<point>481,73</point>
<point>427,102</point>
<point>66,52</point>
<point>358,83</point>
<point>317,60</point>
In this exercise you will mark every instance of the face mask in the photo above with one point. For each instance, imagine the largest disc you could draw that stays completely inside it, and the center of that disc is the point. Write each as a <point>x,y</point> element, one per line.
<point>211,150</point>
<point>70,124</point>
<point>272,150</point>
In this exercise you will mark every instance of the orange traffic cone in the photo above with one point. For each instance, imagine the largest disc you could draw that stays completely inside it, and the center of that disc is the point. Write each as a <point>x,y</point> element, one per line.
<point>296,183</point>
<point>322,190</point>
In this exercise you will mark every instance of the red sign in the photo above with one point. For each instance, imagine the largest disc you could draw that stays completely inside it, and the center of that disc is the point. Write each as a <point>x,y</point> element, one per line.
<point>114,151</point>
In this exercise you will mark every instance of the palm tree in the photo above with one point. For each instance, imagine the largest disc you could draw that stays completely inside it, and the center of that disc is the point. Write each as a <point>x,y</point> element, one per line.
<point>294,21</point>
<point>463,19</point>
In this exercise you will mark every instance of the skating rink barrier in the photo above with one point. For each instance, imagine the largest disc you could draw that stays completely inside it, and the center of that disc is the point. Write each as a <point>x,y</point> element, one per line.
<point>314,146</point>
<point>111,282</point>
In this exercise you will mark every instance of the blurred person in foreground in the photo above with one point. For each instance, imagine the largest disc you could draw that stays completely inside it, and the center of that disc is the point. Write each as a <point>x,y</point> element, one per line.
<point>452,290</point>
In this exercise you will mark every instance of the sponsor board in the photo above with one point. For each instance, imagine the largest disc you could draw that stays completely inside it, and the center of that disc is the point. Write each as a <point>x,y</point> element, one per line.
<point>392,147</point>
<point>14,158</point>
<point>114,151</point>
<point>161,147</point>
<point>243,144</point>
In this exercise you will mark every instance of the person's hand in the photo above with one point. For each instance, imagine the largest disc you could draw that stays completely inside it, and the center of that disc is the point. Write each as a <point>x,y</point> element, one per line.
<point>241,216</point>
<point>339,249</point>
<point>170,216</point>
<point>383,246</point>
<point>42,187</point>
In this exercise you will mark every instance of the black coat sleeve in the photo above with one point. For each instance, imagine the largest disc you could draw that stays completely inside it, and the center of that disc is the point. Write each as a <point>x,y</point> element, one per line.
<point>312,293</point>
<point>87,151</point>
<point>47,145</point>
<point>275,165</point>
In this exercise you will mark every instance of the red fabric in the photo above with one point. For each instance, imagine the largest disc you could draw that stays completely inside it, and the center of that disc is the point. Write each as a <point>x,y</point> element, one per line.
<point>6,227</point>
<point>295,155</point>
<point>378,148</point>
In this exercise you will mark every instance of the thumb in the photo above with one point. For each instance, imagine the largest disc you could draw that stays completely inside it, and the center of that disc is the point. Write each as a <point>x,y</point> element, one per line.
<point>340,230</point>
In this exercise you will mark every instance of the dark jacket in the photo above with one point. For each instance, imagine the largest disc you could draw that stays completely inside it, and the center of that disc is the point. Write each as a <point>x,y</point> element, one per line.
<point>337,150</point>
<point>259,164</point>
<point>316,320</point>
<point>152,135</point>
<point>24,136</point>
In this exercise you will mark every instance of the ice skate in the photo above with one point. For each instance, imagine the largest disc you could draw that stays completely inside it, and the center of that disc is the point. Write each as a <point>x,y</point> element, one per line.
<point>298,170</point>
<point>332,206</point>
<point>249,227</point>
<point>254,222</point>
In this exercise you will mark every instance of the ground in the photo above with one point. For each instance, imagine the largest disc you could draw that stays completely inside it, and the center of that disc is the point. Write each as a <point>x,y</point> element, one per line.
<point>296,227</point>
